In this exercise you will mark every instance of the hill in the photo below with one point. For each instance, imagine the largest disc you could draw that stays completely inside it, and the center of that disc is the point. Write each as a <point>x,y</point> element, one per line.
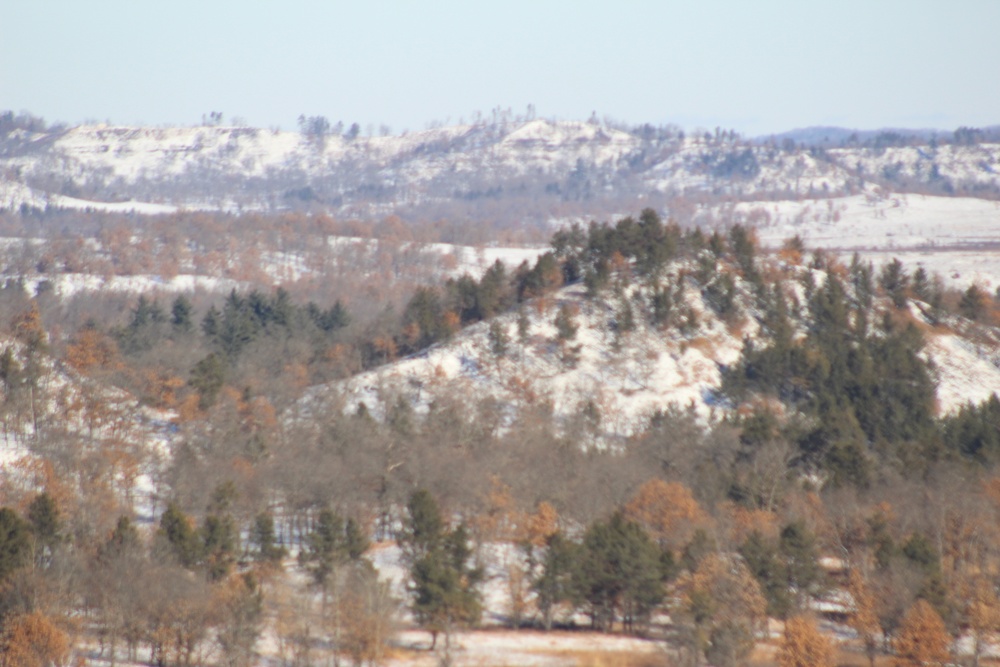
<point>514,169</point>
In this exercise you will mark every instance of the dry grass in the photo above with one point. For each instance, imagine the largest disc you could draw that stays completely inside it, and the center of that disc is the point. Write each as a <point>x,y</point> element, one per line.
<point>704,345</point>
<point>737,326</point>
<point>610,658</point>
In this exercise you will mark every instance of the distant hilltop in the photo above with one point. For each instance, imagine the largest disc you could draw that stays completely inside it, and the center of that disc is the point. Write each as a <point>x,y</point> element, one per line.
<point>513,171</point>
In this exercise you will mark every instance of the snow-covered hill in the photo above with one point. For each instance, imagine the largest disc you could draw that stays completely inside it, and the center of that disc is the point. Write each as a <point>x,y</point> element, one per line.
<point>99,436</point>
<point>539,162</point>
<point>623,377</point>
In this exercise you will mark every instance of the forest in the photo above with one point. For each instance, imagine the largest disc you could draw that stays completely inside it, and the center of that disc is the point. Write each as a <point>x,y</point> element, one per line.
<point>176,491</point>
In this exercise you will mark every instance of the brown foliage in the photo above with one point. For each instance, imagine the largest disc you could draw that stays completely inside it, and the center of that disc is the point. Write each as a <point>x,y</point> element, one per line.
<point>28,327</point>
<point>732,590</point>
<point>501,519</point>
<point>744,521</point>
<point>668,511</point>
<point>92,350</point>
<point>804,645</point>
<point>865,619</point>
<point>922,639</point>
<point>32,640</point>
<point>542,524</point>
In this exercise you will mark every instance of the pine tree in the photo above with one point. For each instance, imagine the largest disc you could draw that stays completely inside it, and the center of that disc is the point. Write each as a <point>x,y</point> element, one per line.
<point>43,517</point>
<point>499,340</point>
<point>797,548</point>
<point>181,315</point>
<point>219,534</point>
<point>124,541</point>
<point>444,583</point>
<point>555,584</point>
<point>207,378</point>
<point>619,573</point>
<point>355,541</point>
<point>265,547</point>
<point>974,303</point>
<point>762,558</point>
<point>180,536</point>
<point>895,281</point>
<point>744,247</point>
<point>324,549</point>
<point>15,542</point>
<point>922,284</point>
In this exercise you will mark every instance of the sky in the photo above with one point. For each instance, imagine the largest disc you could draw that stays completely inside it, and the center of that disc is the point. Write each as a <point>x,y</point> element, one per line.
<point>759,67</point>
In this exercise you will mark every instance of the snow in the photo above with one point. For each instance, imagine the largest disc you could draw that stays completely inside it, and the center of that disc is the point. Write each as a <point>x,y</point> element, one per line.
<point>525,647</point>
<point>957,238</point>
<point>66,285</point>
<point>254,168</point>
<point>627,379</point>
<point>887,224</point>
<point>966,372</point>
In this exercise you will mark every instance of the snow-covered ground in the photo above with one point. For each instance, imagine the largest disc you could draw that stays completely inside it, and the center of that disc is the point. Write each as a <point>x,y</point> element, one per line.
<point>885,223</point>
<point>955,237</point>
<point>627,378</point>
<point>524,647</point>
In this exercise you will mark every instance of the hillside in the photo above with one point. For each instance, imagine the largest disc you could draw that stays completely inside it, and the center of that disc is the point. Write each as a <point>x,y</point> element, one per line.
<point>624,375</point>
<point>535,169</point>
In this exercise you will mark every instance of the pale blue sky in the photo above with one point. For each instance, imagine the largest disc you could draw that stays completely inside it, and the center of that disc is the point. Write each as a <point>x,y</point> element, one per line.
<point>756,66</point>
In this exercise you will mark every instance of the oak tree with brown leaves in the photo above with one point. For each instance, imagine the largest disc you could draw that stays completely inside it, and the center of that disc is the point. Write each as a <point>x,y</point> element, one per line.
<point>804,645</point>
<point>922,638</point>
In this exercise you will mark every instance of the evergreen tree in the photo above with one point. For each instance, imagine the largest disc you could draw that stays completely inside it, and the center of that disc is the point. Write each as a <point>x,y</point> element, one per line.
<point>324,549</point>
<point>207,378</point>
<point>922,288</point>
<point>797,548</point>
<point>45,523</point>
<point>974,303</point>
<point>15,542</point>
<point>181,315</point>
<point>144,329</point>
<point>556,583</point>
<point>262,538</point>
<point>444,584</point>
<point>566,325</point>
<point>211,323</point>
<point>895,281</point>
<point>219,535</point>
<point>181,539</point>
<point>423,318</point>
<point>762,558</point>
<point>619,573</point>
<point>499,340</point>
<point>124,541</point>
<point>974,431</point>
<point>744,249</point>
<point>355,541</point>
